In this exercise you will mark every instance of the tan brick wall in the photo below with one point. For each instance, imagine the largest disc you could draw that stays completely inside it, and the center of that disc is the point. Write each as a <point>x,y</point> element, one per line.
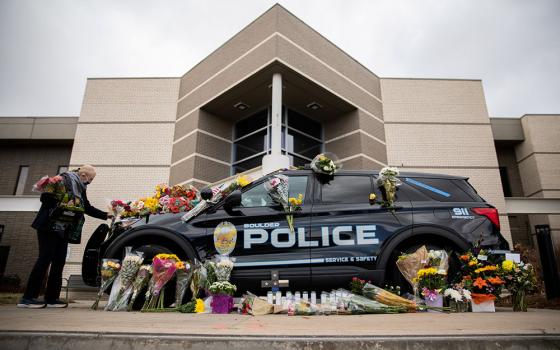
<point>442,145</point>
<point>435,101</point>
<point>130,100</point>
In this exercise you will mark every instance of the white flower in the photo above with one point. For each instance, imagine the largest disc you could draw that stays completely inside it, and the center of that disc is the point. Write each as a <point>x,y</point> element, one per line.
<point>326,168</point>
<point>453,294</point>
<point>467,294</point>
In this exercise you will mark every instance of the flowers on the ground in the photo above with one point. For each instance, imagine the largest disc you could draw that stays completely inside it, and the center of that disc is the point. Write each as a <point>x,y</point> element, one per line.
<point>480,276</point>
<point>163,271</point>
<point>130,266</point>
<point>357,285</point>
<point>199,308</point>
<point>109,271</point>
<point>140,282</point>
<point>457,294</point>
<point>184,274</point>
<point>222,287</point>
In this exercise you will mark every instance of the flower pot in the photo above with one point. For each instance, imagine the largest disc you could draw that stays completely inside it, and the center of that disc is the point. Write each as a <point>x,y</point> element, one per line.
<point>485,306</point>
<point>459,306</point>
<point>436,302</point>
<point>519,301</point>
<point>221,304</point>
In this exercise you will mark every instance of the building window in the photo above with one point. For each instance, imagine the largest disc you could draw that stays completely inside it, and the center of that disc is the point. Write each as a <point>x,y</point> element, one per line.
<point>506,185</point>
<point>62,169</point>
<point>22,180</point>
<point>302,139</point>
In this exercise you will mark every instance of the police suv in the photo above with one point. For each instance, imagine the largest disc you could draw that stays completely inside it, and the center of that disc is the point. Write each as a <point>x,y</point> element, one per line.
<point>339,233</point>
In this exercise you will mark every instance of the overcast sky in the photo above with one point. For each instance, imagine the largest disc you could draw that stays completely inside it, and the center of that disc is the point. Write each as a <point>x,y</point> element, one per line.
<point>49,48</point>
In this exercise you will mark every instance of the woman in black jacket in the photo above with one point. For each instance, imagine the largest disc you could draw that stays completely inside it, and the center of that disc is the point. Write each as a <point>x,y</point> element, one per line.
<point>53,243</point>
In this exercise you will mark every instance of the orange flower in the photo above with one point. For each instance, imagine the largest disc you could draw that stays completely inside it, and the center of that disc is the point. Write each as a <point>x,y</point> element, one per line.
<point>496,280</point>
<point>464,257</point>
<point>480,283</point>
<point>467,278</point>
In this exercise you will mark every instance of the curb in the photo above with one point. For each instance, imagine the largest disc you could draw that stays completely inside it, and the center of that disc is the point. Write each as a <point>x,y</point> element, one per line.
<point>116,341</point>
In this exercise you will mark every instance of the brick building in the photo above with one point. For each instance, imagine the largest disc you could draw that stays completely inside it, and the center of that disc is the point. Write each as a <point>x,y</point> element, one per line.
<point>276,94</point>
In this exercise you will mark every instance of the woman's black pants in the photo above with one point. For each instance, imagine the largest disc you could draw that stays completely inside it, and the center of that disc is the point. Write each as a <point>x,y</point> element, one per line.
<point>52,252</point>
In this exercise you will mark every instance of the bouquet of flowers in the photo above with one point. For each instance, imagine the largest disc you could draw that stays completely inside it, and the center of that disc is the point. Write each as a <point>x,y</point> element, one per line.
<point>358,304</point>
<point>480,277</point>
<point>410,264</point>
<point>222,296</point>
<point>431,282</point>
<point>141,281</point>
<point>388,183</point>
<point>223,269</point>
<point>109,271</point>
<point>357,285</point>
<point>48,184</point>
<point>459,298</point>
<point>253,305</point>
<point>184,274</point>
<point>198,279</point>
<point>130,266</point>
<point>218,193</point>
<point>278,189</point>
<point>520,280</point>
<point>325,163</point>
<point>163,266</point>
<point>387,298</point>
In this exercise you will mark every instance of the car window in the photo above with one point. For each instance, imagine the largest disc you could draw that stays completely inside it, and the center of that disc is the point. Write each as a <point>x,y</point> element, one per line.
<point>347,189</point>
<point>442,190</point>
<point>257,196</point>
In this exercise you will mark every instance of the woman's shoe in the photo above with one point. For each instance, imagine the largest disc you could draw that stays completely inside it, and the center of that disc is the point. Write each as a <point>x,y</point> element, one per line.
<point>57,303</point>
<point>31,303</point>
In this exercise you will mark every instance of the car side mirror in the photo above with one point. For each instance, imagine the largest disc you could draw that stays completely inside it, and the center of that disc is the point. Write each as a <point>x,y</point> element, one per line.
<point>232,201</point>
<point>206,193</point>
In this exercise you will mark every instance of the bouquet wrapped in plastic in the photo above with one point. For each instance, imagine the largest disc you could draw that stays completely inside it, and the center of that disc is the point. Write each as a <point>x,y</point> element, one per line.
<point>198,280</point>
<point>326,163</point>
<point>358,304</point>
<point>253,305</point>
<point>388,183</point>
<point>223,268</point>
<point>164,267</point>
<point>183,276</point>
<point>140,282</point>
<point>130,266</point>
<point>222,297</point>
<point>109,272</point>
<point>387,298</point>
<point>410,264</point>
<point>48,184</point>
<point>278,189</point>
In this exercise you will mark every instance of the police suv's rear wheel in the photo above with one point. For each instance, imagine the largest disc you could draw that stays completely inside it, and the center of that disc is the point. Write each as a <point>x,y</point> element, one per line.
<point>393,277</point>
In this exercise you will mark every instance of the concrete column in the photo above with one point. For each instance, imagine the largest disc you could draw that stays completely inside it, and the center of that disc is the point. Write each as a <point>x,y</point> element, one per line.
<point>275,160</point>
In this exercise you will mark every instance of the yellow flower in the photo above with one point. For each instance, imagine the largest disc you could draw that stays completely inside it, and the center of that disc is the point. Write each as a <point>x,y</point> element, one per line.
<point>180,265</point>
<point>486,268</point>
<point>151,203</point>
<point>244,180</point>
<point>473,262</point>
<point>168,256</point>
<point>372,196</point>
<point>322,157</point>
<point>199,306</point>
<point>427,272</point>
<point>508,265</point>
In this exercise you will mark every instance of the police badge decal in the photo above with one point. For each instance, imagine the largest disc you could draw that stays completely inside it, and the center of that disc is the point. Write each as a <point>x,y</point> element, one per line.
<point>225,237</point>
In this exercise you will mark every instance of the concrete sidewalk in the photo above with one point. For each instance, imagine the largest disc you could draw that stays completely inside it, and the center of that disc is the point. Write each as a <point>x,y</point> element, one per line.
<point>78,322</point>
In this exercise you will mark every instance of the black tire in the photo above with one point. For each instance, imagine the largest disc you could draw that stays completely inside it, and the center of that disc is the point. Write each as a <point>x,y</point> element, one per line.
<point>393,277</point>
